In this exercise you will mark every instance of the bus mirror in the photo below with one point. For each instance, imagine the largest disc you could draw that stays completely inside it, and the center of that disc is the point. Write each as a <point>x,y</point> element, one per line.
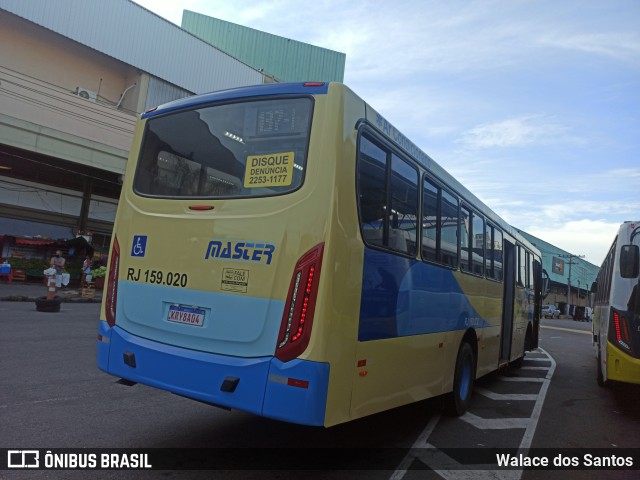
<point>545,283</point>
<point>629,261</point>
<point>594,287</point>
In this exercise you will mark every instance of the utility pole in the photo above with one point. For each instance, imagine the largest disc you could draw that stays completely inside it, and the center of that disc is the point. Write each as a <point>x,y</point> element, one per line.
<point>570,256</point>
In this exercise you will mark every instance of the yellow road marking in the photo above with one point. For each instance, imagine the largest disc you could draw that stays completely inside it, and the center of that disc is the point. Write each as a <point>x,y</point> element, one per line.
<point>567,330</point>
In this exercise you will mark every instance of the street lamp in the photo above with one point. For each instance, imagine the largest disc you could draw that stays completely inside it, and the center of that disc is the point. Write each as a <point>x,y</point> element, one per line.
<point>578,300</point>
<point>570,256</point>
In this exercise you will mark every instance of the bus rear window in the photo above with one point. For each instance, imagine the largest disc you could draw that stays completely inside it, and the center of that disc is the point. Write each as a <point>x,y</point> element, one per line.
<point>249,149</point>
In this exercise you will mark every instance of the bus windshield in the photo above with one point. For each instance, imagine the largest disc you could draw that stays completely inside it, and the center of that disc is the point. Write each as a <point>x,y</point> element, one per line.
<point>248,149</point>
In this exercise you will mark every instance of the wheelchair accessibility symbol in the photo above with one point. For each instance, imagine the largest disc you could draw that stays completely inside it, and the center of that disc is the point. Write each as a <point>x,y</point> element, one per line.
<point>139,246</point>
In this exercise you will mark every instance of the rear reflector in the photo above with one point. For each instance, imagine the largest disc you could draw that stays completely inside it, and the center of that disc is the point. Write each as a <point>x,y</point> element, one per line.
<point>291,382</point>
<point>294,382</point>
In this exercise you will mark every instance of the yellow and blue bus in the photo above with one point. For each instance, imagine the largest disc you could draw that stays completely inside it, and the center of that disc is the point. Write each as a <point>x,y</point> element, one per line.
<point>616,315</point>
<point>284,250</point>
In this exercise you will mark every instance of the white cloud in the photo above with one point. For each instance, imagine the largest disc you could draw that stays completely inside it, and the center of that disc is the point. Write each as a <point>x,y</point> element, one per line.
<point>616,179</point>
<point>591,238</point>
<point>577,212</point>
<point>515,132</point>
<point>623,46</point>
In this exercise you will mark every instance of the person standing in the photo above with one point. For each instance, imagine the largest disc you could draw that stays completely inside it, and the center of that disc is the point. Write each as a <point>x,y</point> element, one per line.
<point>86,270</point>
<point>57,262</point>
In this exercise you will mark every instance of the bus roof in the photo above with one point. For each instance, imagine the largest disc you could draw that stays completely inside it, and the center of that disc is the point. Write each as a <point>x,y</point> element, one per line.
<point>307,88</point>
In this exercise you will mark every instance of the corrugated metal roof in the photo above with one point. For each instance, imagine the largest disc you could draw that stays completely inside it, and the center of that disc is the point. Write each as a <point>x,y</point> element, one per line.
<point>132,34</point>
<point>160,92</point>
<point>581,270</point>
<point>287,60</point>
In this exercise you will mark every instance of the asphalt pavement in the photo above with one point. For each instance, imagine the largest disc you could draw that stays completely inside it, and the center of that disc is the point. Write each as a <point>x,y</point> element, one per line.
<point>29,291</point>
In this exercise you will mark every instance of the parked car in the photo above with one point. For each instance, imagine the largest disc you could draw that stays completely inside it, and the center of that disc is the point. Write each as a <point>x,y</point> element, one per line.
<point>550,311</point>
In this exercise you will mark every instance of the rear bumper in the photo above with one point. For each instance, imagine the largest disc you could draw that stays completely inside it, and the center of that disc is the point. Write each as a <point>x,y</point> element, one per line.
<point>295,391</point>
<point>622,367</point>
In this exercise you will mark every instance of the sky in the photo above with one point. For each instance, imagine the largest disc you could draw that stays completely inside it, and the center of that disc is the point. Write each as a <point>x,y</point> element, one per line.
<point>533,105</point>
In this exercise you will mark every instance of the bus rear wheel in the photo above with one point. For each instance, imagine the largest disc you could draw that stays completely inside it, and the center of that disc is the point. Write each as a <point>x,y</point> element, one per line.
<point>457,402</point>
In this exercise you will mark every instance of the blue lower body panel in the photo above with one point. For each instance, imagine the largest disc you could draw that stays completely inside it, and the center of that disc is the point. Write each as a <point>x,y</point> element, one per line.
<point>295,391</point>
<point>303,399</point>
<point>403,297</point>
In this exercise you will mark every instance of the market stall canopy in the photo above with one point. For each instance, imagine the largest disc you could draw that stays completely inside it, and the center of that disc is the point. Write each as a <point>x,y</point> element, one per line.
<point>28,241</point>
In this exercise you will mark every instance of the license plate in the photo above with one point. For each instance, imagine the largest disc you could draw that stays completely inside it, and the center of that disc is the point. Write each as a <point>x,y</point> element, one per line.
<point>186,315</point>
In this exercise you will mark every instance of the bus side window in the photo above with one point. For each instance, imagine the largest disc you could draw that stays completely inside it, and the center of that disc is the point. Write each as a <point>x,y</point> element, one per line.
<point>603,279</point>
<point>478,244</point>
<point>372,191</point>
<point>439,225</point>
<point>465,239</point>
<point>497,254</point>
<point>448,229</point>
<point>388,198</point>
<point>493,254</point>
<point>522,266</point>
<point>488,257</point>
<point>471,242</point>
<point>403,233</point>
<point>430,221</point>
<point>530,270</point>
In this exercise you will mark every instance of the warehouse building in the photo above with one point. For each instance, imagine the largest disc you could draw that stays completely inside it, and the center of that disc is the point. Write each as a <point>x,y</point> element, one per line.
<point>570,276</point>
<point>74,76</point>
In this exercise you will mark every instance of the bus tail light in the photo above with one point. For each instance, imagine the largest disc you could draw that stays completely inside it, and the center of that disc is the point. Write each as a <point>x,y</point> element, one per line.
<point>621,330</point>
<point>112,284</point>
<point>297,319</point>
